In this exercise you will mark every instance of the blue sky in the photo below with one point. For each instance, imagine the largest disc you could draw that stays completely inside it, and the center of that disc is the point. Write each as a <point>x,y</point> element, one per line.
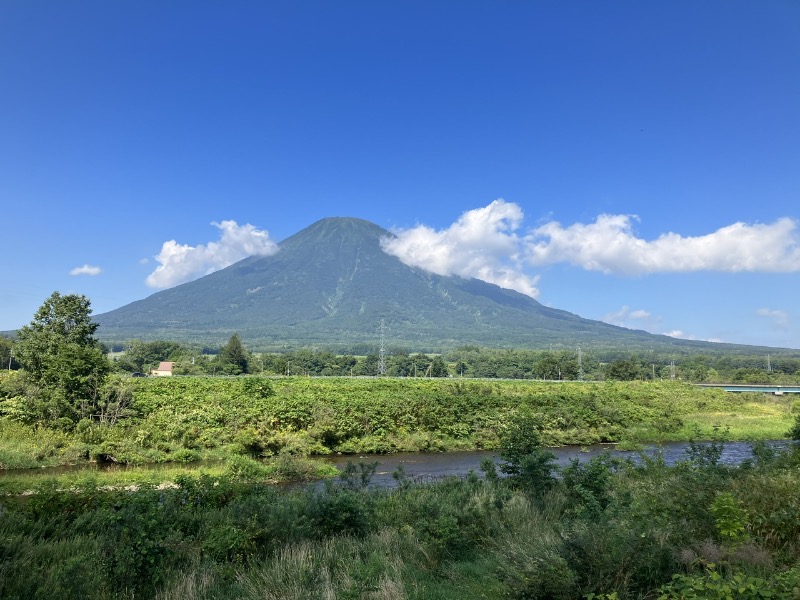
<point>635,162</point>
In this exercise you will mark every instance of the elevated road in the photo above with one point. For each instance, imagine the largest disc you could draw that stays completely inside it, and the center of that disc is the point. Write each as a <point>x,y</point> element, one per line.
<point>778,390</point>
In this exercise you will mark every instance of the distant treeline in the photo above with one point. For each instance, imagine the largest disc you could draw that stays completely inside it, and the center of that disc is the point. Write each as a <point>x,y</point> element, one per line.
<point>466,361</point>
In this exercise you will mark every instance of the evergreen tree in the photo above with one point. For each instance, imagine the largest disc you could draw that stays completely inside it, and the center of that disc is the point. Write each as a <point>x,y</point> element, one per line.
<point>233,357</point>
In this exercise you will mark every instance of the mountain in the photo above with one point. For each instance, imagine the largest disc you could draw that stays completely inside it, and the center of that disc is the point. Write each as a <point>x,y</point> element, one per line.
<point>331,285</point>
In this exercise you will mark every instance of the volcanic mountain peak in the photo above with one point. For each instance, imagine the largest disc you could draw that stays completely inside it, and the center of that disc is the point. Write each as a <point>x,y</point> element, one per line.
<point>331,284</point>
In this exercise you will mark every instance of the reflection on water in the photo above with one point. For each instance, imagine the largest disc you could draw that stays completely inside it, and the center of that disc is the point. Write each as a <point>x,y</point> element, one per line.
<point>423,466</point>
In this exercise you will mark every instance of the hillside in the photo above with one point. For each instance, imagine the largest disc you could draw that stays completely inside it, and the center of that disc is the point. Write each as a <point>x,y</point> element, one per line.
<point>331,285</point>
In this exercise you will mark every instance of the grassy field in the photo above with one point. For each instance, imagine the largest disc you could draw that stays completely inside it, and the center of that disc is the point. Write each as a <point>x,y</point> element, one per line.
<point>183,420</point>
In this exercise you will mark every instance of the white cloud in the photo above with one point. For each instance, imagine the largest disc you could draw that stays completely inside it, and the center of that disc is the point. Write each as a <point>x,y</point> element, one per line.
<point>180,263</point>
<point>86,270</point>
<point>779,318</point>
<point>677,333</point>
<point>481,244</point>
<point>609,245</point>
<point>625,317</point>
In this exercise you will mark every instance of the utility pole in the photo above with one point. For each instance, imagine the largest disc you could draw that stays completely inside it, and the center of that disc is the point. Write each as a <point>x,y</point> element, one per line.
<point>10,356</point>
<point>382,354</point>
<point>769,365</point>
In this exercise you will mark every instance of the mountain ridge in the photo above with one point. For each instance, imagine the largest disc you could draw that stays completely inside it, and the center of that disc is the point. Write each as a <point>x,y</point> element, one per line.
<point>331,284</point>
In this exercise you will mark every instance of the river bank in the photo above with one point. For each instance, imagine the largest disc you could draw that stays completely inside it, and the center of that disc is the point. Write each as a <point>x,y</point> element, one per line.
<point>592,529</point>
<point>189,419</point>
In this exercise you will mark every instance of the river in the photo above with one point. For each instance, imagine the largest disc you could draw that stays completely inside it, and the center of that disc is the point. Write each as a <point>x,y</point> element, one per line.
<point>423,466</point>
<point>429,466</point>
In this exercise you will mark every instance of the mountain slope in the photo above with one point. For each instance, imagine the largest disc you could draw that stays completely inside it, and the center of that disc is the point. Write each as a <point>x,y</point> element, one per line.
<point>331,285</point>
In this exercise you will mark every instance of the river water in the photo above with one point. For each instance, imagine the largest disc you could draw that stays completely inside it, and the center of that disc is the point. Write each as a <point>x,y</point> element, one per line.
<point>430,466</point>
<point>422,466</point>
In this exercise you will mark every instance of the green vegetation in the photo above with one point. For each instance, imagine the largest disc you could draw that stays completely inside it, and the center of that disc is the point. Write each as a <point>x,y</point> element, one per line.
<point>602,529</point>
<point>473,362</point>
<point>207,523</point>
<point>64,366</point>
<point>185,419</point>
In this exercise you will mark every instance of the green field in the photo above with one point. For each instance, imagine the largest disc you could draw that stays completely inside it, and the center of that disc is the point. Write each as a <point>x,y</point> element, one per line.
<point>606,529</point>
<point>187,419</point>
<point>207,523</point>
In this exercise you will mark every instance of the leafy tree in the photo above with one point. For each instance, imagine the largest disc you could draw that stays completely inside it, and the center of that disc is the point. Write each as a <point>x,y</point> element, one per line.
<point>368,365</point>
<point>438,367</point>
<point>62,360</point>
<point>624,370</point>
<point>7,358</point>
<point>794,432</point>
<point>139,355</point>
<point>234,357</point>
<point>552,365</point>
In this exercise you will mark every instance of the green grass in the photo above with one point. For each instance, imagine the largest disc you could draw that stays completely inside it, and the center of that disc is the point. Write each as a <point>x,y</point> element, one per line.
<point>189,419</point>
<point>617,531</point>
<point>279,470</point>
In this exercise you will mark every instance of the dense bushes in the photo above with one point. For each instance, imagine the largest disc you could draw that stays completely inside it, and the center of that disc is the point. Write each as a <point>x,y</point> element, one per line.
<point>356,415</point>
<point>601,529</point>
<point>181,419</point>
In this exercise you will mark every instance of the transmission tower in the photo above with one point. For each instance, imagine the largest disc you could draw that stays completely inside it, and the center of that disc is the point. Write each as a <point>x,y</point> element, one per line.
<point>382,353</point>
<point>580,365</point>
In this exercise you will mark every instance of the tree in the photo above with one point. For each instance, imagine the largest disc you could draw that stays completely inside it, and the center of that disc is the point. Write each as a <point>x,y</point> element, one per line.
<point>624,370</point>
<point>61,358</point>
<point>7,358</point>
<point>233,357</point>
<point>438,368</point>
<point>139,355</point>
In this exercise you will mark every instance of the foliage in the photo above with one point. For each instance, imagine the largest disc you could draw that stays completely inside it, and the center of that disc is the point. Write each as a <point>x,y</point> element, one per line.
<point>794,432</point>
<point>730,517</point>
<point>64,365</point>
<point>231,536</point>
<point>140,356</point>
<point>233,356</point>
<point>141,420</point>
<point>7,359</point>
<point>588,486</point>
<point>712,585</point>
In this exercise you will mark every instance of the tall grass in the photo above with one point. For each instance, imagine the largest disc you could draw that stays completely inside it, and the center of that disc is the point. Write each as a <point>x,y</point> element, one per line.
<point>606,528</point>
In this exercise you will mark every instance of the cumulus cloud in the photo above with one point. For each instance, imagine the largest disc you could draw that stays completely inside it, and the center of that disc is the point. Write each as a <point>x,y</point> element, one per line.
<point>179,263</point>
<point>482,244</point>
<point>86,270</point>
<point>625,317</point>
<point>609,245</point>
<point>779,318</point>
<point>677,333</point>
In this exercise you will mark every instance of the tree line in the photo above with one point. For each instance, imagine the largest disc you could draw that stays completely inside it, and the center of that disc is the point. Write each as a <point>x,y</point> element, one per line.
<point>469,361</point>
<point>66,369</point>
